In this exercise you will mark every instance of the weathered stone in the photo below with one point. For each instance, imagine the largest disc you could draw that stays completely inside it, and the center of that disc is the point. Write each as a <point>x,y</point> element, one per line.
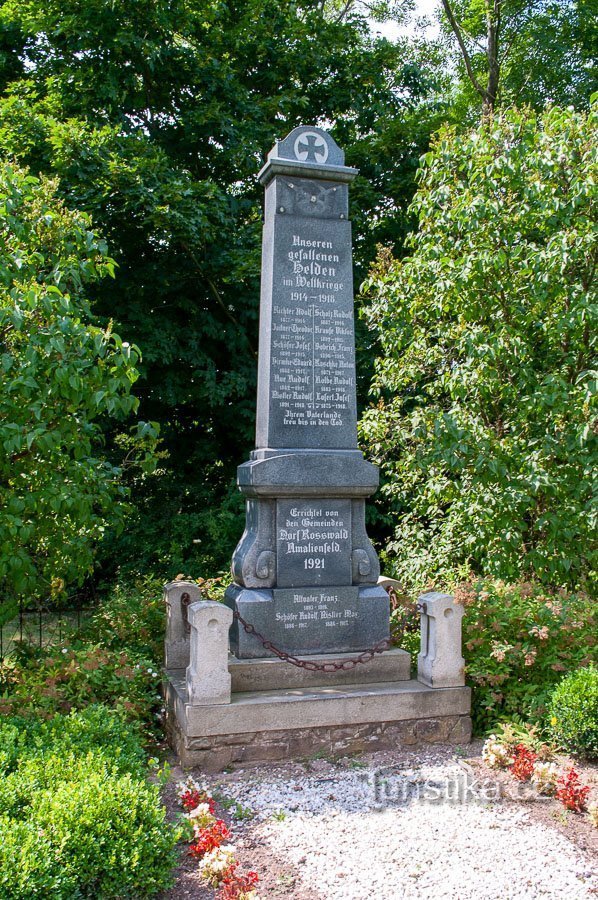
<point>269,674</point>
<point>305,743</point>
<point>178,595</point>
<point>440,663</point>
<point>461,731</point>
<point>208,678</point>
<point>306,482</point>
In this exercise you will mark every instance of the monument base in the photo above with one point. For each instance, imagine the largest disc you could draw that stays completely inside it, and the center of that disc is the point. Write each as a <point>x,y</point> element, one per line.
<point>286,723</point>
<point>300,621</point>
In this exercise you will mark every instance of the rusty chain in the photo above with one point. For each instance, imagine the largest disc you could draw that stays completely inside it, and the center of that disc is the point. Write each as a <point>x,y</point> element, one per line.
<point>309,664</point>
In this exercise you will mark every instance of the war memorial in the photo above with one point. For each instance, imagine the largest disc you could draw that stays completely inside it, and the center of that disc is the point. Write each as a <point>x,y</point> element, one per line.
<point>298,659</point>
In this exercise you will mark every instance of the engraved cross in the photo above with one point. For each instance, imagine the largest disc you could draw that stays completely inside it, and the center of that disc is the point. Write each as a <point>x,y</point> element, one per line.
<point>313,145</point>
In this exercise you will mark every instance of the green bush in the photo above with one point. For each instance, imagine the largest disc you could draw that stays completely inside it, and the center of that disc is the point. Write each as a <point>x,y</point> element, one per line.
<point>60,679</point>
<point>573,712</point>
<point>94,728</point>
<point>77,817</point>
<point>518,642</point>
<point>131,618</point>
<point>484,392</point>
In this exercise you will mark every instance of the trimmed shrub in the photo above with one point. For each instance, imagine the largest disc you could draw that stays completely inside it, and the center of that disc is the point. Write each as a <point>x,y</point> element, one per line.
<point>574,712</point>
<point>77,817</point>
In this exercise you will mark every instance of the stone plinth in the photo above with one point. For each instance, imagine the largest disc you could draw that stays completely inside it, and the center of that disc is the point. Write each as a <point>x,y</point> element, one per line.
<point>278,725</point>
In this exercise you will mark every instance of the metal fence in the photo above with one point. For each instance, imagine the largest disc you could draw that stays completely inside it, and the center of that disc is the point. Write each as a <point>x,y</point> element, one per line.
<point>43,624</point>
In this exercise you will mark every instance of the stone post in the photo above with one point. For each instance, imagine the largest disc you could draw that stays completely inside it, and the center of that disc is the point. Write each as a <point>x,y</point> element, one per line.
<point>208,678</point>
<point>178,596</point>
<point>440,663</point>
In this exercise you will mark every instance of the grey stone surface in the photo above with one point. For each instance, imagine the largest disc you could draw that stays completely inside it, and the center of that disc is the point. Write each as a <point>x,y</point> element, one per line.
<point>307,473</point>
<point>178,595</point>
<point>306,391</point>
<point>313,542</point>
<point>308,620</point>
<point>218,753</point>
<point>304,565</point>
<point>269,674</point>
<point>346,706</point>
<point>440,663</point>
<point>208,680</point>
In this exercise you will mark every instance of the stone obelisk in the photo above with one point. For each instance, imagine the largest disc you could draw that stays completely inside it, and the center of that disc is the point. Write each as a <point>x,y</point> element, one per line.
<point>305,573</point>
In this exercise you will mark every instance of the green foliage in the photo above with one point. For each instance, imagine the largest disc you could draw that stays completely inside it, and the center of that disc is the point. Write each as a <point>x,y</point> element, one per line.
<point>61,376</point>
<point>156,117</point>
<point>96,728</point>
<point>77,819</point>
<point>485,388</point>
<point>60,679</point>
<point>518,640</point>
<point>545,49</point>
<point>573,712</point>
<point>131,619</point>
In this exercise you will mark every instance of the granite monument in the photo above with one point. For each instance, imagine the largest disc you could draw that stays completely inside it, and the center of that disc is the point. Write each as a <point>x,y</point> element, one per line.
<point>305,572</point>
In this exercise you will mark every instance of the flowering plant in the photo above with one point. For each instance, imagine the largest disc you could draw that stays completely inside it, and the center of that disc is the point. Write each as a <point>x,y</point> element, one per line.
<point>217,864</point>
<point>571,792</point>
<point>209,838</point>
<point>214,865</point>
<point>522,766</point>
<point>496,754</point>
<point>202,817</point>
<point>544,777</point>
<point>238,887</point>
<point>518,641</point>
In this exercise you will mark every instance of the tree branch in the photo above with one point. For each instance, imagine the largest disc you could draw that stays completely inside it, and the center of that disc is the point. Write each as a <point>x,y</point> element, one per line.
<point>219,299</point>
<point>464,51</point>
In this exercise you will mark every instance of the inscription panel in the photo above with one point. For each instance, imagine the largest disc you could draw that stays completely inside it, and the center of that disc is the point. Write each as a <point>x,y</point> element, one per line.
<point>316,619</point>
<point>313,542</point>
<point>312,343</point>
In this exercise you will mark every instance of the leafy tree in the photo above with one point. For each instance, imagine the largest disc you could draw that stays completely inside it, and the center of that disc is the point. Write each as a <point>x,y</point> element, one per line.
<point>62,376</point>
<point>517,51</point>
<point>485,389</point>
<point>155,115</point>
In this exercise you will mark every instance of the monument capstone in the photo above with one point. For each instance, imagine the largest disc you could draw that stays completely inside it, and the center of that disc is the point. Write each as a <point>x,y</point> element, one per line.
<point>305,572</point>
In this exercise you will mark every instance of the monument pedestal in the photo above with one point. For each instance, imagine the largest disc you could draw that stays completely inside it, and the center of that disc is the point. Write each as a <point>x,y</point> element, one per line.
<point>276,711</point>
<point>333,719</point>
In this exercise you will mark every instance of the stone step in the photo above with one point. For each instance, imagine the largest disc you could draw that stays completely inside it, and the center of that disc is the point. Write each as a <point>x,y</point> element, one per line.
<point>271,674</point>
<point>280,724</point>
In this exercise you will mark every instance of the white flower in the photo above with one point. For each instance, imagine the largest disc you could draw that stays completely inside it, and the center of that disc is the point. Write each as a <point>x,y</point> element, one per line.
<point>190,784</point>
<point>64,650</point>
<point>215,863</point>
<point>544,777</point>
<point>495,754</point>
<point>201,817</point>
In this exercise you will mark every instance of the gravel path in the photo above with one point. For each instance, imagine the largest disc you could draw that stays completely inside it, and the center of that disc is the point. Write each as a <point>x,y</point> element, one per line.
<point>418,828</point>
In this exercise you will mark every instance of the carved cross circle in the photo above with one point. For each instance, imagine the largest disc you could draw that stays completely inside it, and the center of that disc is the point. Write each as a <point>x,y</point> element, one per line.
<point>311,147</point>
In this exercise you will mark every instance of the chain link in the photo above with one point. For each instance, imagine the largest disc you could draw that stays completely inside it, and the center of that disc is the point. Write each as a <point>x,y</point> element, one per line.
<point>312,666</point>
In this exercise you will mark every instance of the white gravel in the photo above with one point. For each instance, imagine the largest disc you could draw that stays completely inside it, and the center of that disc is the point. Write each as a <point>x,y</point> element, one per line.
<point>350,842</point>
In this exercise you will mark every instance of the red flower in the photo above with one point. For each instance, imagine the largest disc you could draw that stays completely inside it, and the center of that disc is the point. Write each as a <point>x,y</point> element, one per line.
<point>233,885</point>
<point>209,838</point>
<point>190,799</point>
<point>571,792</point>
<point>523,762</point>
